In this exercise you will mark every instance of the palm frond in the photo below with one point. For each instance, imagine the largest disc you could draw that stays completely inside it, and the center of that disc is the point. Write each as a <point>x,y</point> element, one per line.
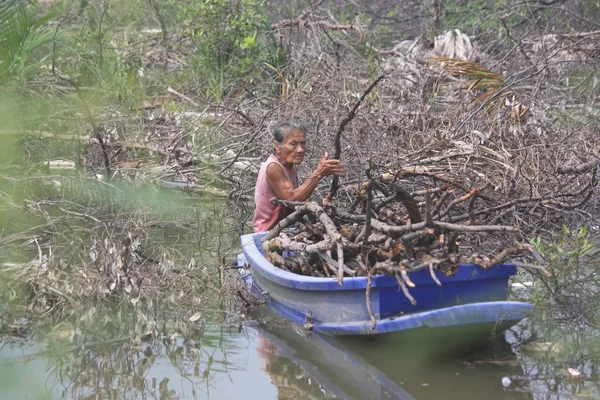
<point>12,34</point>
<point>487,87</point>
<point>20,33</point>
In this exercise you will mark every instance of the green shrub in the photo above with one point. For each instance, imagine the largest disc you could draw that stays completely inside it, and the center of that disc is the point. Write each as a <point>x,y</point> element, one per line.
<point>572,289</point>
<point>230,39</point>
<point>21,32</point>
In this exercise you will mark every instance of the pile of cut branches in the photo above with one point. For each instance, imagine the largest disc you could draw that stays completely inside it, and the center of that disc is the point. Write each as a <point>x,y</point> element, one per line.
<point>391,230</point>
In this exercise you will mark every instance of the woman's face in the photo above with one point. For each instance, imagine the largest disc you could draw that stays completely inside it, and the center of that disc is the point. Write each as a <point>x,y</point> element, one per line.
<point>293,148</point>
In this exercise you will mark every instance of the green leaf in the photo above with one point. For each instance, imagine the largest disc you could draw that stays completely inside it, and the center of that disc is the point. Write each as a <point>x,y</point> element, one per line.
<point>249,42</point>
<point>43,20</point>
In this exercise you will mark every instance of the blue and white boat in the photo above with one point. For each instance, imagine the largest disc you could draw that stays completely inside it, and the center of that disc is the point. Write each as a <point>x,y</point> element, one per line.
<point>474,297</point>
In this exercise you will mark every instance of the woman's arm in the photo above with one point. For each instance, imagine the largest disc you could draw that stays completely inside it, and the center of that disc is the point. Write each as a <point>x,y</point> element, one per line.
<point>284,189</point>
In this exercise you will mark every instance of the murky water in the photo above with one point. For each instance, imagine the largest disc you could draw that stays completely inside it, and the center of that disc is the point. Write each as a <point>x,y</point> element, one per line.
<point>252,361</point>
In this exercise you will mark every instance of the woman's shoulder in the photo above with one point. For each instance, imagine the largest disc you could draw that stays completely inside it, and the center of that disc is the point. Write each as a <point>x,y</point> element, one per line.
<point>275,167</point>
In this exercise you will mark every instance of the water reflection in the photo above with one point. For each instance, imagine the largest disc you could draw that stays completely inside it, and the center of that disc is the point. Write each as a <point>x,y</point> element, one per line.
<point>272,361</point>
<point>318,367</point>
<point>361,369</point>
<point>219,363</point>
<point>287,372</point>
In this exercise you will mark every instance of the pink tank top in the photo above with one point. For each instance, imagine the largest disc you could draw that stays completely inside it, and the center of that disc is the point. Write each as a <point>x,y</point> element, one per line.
<point>268,214</point>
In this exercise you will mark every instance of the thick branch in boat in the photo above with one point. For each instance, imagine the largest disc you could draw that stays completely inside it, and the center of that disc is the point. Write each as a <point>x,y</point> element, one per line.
<point>454,202</point>
<point>331,229</point>
<point>284,243</point>
<point>405,277</point>
<point>340,255</point>
<point>475,228</point>
<point>519,249</point>
<point>396,230</point>
<point>399,230</point>
<point>428,217</point>
<point>338,137</point>
<point>433,276</point>
<point>346,216</point>
<point>411,205</point>
<point>368,212</point>
<point>287,221</point>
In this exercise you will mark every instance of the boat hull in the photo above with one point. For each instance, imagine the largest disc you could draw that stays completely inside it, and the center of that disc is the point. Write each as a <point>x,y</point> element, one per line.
<point>473,295</point>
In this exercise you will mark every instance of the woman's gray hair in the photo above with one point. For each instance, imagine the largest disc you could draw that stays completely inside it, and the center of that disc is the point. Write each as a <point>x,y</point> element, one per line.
<point>281,129</point>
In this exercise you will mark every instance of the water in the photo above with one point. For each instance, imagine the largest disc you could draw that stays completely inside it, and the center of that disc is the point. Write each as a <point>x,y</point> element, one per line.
<point>218,370</point>
<point>277,362</point>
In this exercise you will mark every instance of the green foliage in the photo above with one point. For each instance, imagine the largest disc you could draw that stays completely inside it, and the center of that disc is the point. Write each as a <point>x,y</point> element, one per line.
<point>573,286</point>
<point>567,248</point>
<point>21,32</point>
<point>228,37</point>
<point>87,48</point>
<point>223,30</point>
<point>469,14</point>
<point>567,313</point>
<point>94,51</point>
<point>590,9</point>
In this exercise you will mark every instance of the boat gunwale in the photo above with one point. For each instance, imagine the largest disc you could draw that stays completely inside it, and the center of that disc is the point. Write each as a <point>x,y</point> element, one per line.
<point>265,268</point>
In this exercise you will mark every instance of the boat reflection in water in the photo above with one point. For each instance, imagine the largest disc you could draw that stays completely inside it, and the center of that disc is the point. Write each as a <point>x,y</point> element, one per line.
<point>414,366</point>
<point>317,367</point>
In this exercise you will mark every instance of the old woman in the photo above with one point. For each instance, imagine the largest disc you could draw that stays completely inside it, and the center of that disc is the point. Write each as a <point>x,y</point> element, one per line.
<point>278,176</point>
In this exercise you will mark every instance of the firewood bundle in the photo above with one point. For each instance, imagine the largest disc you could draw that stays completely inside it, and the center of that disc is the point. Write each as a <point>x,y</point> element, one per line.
<point>389,230</point>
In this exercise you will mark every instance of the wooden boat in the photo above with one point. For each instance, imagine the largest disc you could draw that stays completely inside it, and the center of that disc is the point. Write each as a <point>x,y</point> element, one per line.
<point>473,297</point>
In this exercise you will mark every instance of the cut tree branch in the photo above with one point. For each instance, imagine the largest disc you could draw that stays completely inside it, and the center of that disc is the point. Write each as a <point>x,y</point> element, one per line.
<point>338,136</point>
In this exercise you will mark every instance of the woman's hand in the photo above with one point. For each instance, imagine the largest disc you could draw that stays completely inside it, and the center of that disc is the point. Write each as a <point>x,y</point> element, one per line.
<point>284,189</point>
<point>329,167</point>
